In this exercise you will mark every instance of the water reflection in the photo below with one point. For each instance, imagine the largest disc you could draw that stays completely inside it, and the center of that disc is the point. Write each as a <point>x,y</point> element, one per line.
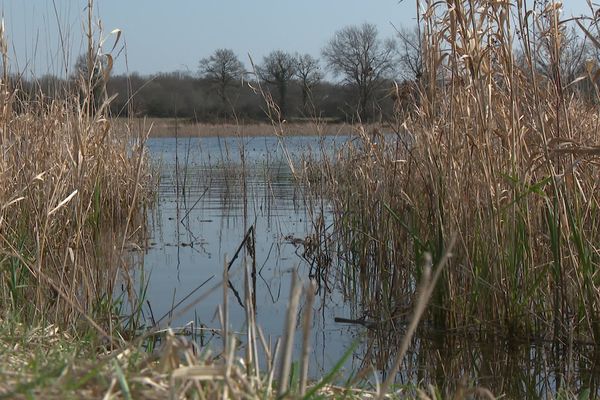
<point>218,196</point>
<point>212,193</point>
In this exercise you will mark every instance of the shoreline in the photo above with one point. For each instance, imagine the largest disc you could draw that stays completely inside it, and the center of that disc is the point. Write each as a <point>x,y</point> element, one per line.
<point>170,127</point>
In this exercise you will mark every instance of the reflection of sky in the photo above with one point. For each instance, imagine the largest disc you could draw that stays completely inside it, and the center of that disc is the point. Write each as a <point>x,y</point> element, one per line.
<point>214,225</point>
<point>214,222</point>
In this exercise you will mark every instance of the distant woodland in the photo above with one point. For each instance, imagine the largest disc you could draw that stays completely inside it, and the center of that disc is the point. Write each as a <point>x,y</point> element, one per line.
<point>186,96</point>
<point>196,97</point>
<point>358,76</point>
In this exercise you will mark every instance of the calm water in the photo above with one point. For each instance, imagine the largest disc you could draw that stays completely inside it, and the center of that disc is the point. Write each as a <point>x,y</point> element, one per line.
<point>213,190</point>
<point>205,207</point>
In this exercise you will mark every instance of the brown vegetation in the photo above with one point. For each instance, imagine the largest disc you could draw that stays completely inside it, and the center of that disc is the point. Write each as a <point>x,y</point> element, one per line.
<point>497,153</point>
<point>71,189</point>
<point>170,127</point>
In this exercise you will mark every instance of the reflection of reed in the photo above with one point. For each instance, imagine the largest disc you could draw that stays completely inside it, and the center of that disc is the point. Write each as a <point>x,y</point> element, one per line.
<point>248,245</point>
<point>517,369</point>
<point>314,249</point>
<point>214,194</point>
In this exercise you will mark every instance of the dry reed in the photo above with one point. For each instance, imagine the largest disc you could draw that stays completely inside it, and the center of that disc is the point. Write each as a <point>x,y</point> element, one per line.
<point>496,152</point>
<point>72,190</point>
<point>167,127</point>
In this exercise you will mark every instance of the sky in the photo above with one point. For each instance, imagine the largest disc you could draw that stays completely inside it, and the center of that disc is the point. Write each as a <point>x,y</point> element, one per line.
<point>44,36</point>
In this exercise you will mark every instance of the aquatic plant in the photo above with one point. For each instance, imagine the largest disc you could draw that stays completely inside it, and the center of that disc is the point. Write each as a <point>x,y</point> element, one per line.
<point>496,151</point>
<point>72,191</point>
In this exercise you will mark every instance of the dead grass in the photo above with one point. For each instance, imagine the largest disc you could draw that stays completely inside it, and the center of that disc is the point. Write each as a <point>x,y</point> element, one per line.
<point>170,127</point>
<point>502,156</point>
<point>71,193</point>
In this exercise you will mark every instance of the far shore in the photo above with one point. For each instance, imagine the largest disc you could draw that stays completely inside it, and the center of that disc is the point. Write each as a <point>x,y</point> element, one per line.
<point>170,127</point>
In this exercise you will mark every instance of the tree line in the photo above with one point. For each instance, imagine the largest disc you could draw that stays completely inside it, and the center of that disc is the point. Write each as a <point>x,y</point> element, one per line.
<point>292,86</point>
<point>372,78</point>
<point>362,68</point>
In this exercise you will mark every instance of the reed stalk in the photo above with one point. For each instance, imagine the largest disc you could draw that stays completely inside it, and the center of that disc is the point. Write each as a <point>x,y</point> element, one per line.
<point>73,189</point>
<point>495,150</point>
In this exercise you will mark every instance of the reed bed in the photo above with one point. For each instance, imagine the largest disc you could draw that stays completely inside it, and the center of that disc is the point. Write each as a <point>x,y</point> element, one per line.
<point>72,191</point>
<point>495,152</point>
<point>171,127</point>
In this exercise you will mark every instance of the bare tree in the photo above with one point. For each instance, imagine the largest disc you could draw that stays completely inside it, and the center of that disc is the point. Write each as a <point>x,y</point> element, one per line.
<point>309,74</point>
<point>410,53</point>
<point>565,54</point>
<point>278,68</point>
<point>364,60</point>
<point>223,69</point>
<point>90,74</point>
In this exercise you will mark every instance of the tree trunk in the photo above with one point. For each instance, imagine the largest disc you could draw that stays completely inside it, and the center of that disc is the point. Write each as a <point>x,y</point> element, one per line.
<point>305,98</point>
<point>363,104</point>
<point>282,98</point>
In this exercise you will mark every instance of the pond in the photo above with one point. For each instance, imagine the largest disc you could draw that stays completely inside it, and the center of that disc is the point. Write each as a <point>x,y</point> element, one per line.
<point>206,205</point>
<point>214,191</point>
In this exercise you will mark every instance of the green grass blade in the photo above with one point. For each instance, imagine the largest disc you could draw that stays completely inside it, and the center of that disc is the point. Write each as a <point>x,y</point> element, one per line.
<point>331,374</point>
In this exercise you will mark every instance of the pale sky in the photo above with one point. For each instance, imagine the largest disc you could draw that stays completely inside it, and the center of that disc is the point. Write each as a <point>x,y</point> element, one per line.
<point>164,36</point>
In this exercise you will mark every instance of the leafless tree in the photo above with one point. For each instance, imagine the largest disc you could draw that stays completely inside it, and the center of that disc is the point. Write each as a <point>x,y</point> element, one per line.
<point>89,76</point>
<point>364,60</point>
<point>223,69</point>
<point>309,74</point>
<point>410,53</point>
<point>569,61</point>
<point>278,68</point>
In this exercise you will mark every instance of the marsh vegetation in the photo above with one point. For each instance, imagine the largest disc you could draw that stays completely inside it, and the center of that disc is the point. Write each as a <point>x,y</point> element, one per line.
<point>453,244</point>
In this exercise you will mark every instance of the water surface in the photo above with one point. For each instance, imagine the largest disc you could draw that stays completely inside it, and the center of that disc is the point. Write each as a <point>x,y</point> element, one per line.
<point>206,205</point>
<point>213,190</point>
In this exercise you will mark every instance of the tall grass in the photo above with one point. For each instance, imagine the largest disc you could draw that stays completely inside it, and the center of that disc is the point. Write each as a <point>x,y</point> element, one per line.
<point>495,152</point>
<point>72,189</point>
